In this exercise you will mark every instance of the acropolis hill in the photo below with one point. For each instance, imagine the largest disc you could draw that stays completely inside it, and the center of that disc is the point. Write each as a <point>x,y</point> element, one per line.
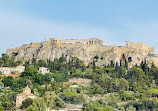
<point>85,49</point>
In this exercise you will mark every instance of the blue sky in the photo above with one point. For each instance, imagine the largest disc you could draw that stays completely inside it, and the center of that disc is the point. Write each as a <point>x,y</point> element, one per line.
<point>113,21</point>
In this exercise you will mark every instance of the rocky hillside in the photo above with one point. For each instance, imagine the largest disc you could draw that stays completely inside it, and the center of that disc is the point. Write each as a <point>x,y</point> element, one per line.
<point>134,53</point>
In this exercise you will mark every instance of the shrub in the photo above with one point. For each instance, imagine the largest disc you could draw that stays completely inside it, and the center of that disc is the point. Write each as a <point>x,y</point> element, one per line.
<point>72,96</point>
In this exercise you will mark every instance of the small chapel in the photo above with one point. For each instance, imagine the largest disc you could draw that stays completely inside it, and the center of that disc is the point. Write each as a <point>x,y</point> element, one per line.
<point>22,96</point>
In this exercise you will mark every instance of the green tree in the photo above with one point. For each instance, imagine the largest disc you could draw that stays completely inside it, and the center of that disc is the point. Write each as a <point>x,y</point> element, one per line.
<point>6,100</point>
<point>109,70</point>
<point>125,96</point>
<point>144,67</point>
<point>72,96</point>
<point>26,103</point>
<point>112,64</point>
<point>48,77</point>
<point>126,64</point>
<point>41,63</point>
<point>55,87</point>
<point>8,81</point>
<point>122,84</point>
<point>154,72</point>
<point>101,58</point>
<point>61,75</point>
<point>88,73</point>
<point>76,72</point>
<point>20,82</point>
<point>120,63</point>
<point>97,89</point>
<point>137,79</point>
<point>52,100</point>
<point>62,59</point>
<point>8,105</point>
<point>29,72</point>
<point>37,105</point>
<point>96,106</point>
<point>148,105</point>
<point>56,64</point>
<point>117,67</point>
<point>96,58</point>
<point>6,61</point>
<point>94,66</point>
<point>121,72</point>
<point>34,61</point>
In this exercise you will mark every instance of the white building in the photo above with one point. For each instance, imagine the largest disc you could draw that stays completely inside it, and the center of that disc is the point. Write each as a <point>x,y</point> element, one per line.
<point>43,70</point>
<point>8,70</point>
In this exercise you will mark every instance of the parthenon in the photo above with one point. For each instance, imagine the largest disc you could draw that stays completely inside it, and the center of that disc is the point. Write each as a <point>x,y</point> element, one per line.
<point>90,41</point>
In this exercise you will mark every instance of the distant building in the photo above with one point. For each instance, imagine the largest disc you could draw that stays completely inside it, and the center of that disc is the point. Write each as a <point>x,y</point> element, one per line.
<point>22,96</point>
<point>43,70</point>
<point>9,70</point>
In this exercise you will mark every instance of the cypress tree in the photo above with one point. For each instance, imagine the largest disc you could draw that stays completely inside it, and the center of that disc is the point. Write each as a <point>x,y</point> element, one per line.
<point>94,66</point>
<point>112,64</point>
<point>120,63</point>
<point>117,66</point>
<point>126,64</point>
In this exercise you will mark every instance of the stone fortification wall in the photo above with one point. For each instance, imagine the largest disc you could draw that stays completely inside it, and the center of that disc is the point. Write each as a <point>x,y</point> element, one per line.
<point>138,45</point>
<point>152,50</point>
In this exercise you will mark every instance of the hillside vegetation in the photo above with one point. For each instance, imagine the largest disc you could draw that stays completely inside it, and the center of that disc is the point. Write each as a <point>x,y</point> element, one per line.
<point>114,87</point>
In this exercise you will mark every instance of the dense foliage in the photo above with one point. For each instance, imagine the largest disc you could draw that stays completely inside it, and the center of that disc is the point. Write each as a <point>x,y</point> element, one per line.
<point>114,86</point>
<point>6,61</point>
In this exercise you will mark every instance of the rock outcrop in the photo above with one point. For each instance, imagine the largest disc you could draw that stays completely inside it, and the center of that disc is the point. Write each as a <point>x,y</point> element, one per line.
<point>85,49</point>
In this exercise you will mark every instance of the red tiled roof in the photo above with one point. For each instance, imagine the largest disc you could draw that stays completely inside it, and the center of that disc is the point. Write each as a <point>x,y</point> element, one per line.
<point>25,94</point>
<point>43,67</point>
<point>14,75</point>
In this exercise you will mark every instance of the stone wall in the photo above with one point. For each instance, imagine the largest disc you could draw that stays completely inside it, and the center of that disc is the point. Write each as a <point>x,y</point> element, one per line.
<point>80,81</point>
<point>138,45</point>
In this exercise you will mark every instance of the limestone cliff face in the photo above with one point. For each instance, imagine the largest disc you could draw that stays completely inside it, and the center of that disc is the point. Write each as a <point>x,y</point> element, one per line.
<point>86,52</point>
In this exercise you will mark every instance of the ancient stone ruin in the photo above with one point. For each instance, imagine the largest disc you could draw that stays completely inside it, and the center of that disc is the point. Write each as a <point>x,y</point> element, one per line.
<point>91,41</point>
<point>85,49</point>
